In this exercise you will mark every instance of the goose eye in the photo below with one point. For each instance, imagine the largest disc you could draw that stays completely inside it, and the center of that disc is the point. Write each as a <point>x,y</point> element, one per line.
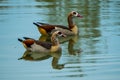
<point>59,33</point>
<point>74,13</point>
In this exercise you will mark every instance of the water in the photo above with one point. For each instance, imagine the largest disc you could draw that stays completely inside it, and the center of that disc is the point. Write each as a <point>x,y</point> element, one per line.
<point>99,40</point>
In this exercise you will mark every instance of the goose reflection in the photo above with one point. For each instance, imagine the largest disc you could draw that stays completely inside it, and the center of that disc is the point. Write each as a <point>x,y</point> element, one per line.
<point>37,56</point>
<point>71,49</point>
<point>34,56</point>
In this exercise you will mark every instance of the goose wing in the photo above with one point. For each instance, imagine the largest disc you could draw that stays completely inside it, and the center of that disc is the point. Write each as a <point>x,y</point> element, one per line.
<point>49,27</point>
<point>46,45</point>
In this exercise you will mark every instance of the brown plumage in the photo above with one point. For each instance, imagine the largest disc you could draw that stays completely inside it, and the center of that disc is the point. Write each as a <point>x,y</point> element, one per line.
<point>45,29</point>
<point>27,42</point>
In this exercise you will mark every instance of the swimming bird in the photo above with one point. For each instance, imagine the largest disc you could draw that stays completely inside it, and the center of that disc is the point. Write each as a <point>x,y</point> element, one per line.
<point>72,29</point>
<point>41,46</point>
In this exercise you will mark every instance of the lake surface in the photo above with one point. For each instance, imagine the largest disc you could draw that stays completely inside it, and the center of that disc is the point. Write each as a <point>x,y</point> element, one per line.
<point>93,55</point>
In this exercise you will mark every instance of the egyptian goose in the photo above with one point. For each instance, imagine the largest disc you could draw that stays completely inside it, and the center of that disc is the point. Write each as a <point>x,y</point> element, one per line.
<point>45,29</point>
<point>41,46</point>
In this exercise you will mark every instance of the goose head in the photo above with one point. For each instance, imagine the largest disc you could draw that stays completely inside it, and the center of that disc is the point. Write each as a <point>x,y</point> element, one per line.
<point>57,33</point>
<point>55,42</point>
<point>75,14</point>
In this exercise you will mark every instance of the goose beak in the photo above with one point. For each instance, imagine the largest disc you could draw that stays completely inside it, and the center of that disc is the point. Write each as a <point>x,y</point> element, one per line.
<point>79,16</point>
<point>63,35</point>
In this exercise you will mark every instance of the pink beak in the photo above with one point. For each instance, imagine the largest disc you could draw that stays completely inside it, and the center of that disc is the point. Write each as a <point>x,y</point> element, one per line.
<point>79,16</point>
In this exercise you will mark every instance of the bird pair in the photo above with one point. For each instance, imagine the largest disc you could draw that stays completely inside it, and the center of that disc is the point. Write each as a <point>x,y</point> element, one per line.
<point>55,31</point>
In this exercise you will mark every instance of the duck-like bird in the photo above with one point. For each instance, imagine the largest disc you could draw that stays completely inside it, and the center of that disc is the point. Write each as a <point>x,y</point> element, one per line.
<point>72,29</point>
<point>41,46</point>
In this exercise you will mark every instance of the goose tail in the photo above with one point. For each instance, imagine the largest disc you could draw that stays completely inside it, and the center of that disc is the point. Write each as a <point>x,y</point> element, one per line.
<point>20,40</point>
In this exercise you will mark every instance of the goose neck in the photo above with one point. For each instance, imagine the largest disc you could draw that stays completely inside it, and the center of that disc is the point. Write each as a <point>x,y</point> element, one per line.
<point>70,21</point>
<point>54,40</point>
